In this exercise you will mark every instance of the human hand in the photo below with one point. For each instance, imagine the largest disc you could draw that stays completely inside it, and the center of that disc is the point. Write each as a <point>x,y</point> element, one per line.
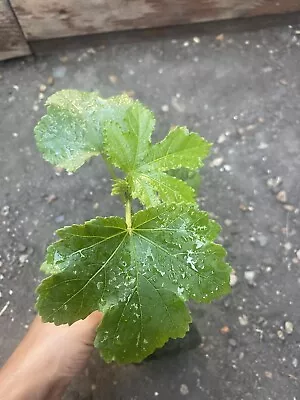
<point>47,358</point>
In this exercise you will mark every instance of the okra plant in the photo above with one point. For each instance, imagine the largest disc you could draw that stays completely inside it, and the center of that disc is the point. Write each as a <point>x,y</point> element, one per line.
<point>139,270</point>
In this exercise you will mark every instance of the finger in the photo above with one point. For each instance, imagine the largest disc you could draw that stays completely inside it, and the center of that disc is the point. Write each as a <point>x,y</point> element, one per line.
<point>94,319</point>
<point>85,330</point>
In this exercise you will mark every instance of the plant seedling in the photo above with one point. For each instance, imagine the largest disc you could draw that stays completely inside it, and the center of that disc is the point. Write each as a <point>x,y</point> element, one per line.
<point>139,270</point>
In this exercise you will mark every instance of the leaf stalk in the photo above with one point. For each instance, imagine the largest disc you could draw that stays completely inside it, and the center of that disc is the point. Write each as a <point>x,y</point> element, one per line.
<point>128,216</point>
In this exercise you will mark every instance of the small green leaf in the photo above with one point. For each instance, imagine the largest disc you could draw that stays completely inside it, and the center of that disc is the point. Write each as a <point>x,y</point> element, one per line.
<point>71,132</point>
<point>179,148</point>
<point>139,280</point>
<point>153,188</point>
<point>128,147</point>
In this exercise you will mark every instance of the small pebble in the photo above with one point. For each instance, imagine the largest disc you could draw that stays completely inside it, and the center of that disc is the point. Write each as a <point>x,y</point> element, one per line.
<point>269,374</point>
<point>58,170</point>
<point>228,222</point>
<point>280,335</point>
<point>196,39</point>
<point>217,162</point>
<point>50,80</point>
<point>43,88</point>
<point>243,320</point>
<point>289,327</point>
<point>21,247</point>
<point>232,342</point>
<point>288,246</point>
<point>274,182</point>
<point>283,82</point>
<point>165,108</point>
<point>51,198</point>
<point>23,258</point>
<point>289,207</point>
<point>244,207</point>
<point>250,127</point>
<point>220,37</point>
<point>225,329</point>
<point>96,206</point>
<point>113,79</point>
<point>5,211</point>
<point>263,240</point>
<point>227,167</point>
<point>184,390</point>
<point>281,196</point>
<point>221,138</point>
<point>262,146</point>
<point>178,105</point>
<point>233,279</point>
<point>91,50</point>
<point>295,362</point>
<point>250,276</point>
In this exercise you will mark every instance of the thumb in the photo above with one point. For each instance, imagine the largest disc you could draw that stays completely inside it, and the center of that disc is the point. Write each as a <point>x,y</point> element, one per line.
<point>85,330</point>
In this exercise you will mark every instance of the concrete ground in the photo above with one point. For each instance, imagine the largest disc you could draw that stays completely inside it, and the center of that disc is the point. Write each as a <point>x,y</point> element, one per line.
<point>239,90</point>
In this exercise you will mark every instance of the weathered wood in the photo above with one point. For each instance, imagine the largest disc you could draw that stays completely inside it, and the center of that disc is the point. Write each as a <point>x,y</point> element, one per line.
<point>42,19</point>
<point>12,40</point>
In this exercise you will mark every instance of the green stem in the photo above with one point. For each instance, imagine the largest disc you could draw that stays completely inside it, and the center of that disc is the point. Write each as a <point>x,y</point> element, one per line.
<point>110,168</point>
<point>128,216</point>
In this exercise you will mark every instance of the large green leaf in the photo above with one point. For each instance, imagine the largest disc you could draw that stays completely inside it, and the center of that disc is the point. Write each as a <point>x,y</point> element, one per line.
<point>129,148</point>
<point>139,280</point>
<point>71,131</point>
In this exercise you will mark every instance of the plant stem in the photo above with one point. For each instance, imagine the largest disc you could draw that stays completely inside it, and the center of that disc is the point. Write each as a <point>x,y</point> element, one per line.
<point>128,215</point>
<point>110,168</point>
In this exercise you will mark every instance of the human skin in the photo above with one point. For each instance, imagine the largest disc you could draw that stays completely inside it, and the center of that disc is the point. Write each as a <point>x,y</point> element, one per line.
<point>47,359</point>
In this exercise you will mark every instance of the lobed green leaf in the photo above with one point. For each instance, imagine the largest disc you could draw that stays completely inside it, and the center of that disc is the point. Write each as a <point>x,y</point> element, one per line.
<point>139,280</point>
<point>71,131</point>
<point>147,166</point>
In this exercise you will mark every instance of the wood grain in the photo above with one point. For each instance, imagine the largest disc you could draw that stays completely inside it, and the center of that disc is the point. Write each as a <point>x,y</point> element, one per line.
<point>42,19</point>
<point>12,40</point>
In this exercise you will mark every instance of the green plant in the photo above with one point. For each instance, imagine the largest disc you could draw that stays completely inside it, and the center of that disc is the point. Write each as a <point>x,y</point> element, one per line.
<point>139,271</point>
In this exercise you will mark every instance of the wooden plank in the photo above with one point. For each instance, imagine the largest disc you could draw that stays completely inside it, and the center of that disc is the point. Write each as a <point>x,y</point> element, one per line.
<point>12,40</point>
<point>42,19</point>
